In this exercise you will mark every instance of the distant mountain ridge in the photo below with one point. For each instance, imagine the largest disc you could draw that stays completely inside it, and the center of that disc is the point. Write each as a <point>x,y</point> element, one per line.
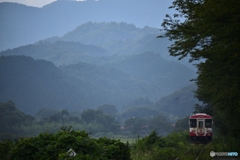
<point>92,40</point>
<point>23,25</point>
<point>35,84</point>
<point>59,52</point>
<point>116,38</point>
<point>153,68</point>
<point>180,103</point>
<point>101,33</point>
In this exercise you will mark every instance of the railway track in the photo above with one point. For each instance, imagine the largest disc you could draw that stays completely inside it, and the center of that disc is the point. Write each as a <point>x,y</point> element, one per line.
<point>189,151</point>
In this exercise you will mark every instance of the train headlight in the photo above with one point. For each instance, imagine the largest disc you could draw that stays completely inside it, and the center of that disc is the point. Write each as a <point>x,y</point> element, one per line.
<point>193,130</point>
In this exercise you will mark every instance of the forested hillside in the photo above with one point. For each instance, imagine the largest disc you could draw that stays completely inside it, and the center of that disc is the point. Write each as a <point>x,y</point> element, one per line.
<point>34,84</point>
<point>180,103</point>
<point>59,52</point>
<point>151,67</point>
<point>98,43</point>
<point>117,38</point>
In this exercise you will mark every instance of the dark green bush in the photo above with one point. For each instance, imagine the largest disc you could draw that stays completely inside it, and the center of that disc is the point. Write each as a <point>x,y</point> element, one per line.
<point>115,149</point>
<point>55,146</point>
<point>6,147</point>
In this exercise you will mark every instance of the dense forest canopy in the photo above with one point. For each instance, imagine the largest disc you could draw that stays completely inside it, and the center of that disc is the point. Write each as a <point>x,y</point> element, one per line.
<point>211,31</point>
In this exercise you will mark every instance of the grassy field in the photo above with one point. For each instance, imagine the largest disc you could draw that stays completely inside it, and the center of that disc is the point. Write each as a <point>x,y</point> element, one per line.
<point>129,140</point>
<point>174,145</point>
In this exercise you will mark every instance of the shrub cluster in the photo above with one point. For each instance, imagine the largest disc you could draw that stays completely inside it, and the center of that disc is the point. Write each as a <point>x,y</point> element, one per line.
<point>56,146</point>
<point>155,146</point>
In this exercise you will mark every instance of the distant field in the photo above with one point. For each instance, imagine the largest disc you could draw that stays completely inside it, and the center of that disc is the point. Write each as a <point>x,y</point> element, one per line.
<point>130,140</point>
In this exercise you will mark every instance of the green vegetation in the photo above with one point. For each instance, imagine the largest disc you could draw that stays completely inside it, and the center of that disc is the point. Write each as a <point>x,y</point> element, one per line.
<point>56,146</point>
<point>154,146</point>
<point>211,32</point>
<point>183,124</point>
<point>11,119</point>
<point>174,145</point>
<point>151,147</point>
<point>15,124</point>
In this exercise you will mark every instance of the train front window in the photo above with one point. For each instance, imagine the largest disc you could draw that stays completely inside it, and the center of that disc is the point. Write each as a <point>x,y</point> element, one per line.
<point>200,124</point>
<point>193,123</point>
<point>208,123</point>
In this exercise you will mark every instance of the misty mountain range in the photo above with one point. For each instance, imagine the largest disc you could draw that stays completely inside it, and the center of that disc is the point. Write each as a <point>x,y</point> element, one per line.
<point>21,25</point>
<point>96,63</point>
<point>35,84</point>
<point>95,42</point>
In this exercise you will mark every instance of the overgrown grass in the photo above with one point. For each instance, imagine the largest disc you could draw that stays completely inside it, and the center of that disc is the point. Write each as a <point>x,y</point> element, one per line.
<point>154,147</point>
<point>157,147</point>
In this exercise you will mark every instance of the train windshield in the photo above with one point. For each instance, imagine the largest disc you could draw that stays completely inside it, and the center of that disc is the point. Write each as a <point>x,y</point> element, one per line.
<point>193,123</point>
<point>208,123</point>
<point>200,125</point>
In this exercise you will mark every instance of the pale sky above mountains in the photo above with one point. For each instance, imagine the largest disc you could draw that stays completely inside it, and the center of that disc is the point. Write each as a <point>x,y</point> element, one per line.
<point>34,3</point>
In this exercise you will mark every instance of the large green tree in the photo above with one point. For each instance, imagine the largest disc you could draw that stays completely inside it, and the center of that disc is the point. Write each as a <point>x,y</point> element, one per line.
<point>211,31</point>
<point>135,124</point>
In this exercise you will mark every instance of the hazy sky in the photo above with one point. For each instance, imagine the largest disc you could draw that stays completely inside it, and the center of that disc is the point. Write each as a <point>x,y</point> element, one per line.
<point>35,3</point>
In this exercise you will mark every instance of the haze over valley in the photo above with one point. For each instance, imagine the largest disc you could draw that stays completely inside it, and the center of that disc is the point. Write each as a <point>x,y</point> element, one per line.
<point>85,71</point>
<point>64,56</point>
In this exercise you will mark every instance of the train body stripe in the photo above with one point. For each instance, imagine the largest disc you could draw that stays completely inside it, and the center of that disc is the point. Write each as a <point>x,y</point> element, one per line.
<point>200,116</point>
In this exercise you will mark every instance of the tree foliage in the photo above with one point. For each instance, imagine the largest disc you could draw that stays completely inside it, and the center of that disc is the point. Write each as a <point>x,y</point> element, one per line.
<point>182,124</point>
<point>141,112</point>
<point>46,112</point>
<point>160,124</point>
<point>211,31</point>
<point>108,122</point>
<point>11,117</point>
<point>135,124</point>
<point>56,146</point>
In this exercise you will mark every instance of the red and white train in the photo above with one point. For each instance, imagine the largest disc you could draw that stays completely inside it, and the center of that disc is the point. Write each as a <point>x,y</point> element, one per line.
<point>200,127</point>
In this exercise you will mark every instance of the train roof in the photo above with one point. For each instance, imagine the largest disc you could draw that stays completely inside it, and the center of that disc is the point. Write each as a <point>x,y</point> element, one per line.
<point>200,115</point>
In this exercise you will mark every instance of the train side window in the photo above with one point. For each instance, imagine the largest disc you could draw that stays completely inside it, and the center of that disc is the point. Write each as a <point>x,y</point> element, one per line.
<point>208,123</point>
<point>193,123</point>
<point>200,124</point>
